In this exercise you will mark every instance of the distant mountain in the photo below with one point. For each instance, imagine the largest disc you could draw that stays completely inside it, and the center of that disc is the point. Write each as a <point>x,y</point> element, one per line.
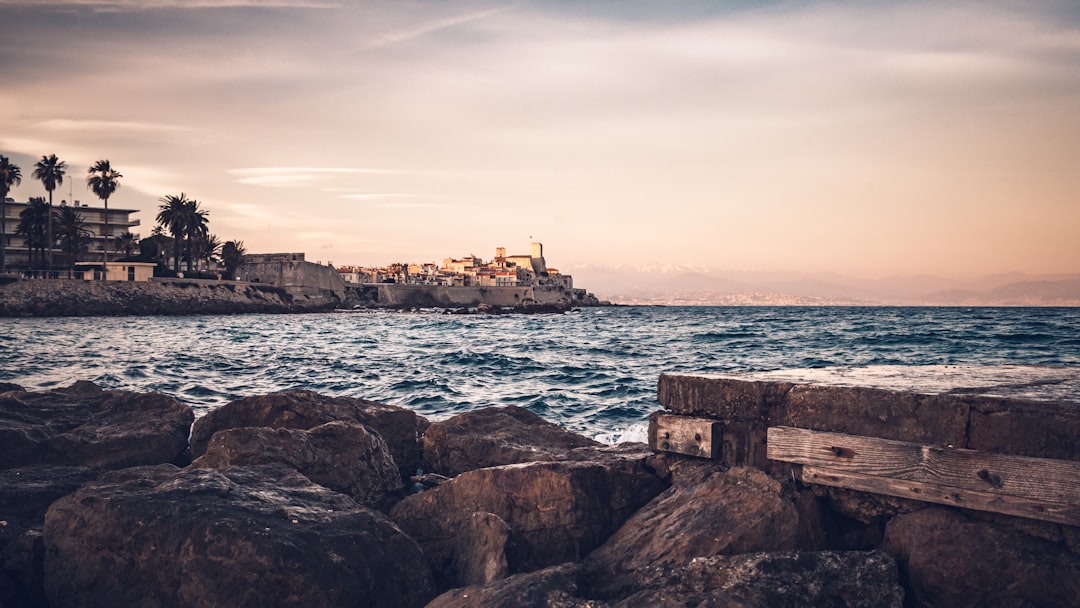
<point>696,285</point>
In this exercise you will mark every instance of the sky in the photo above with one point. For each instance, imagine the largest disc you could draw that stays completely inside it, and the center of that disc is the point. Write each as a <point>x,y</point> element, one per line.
<point>869,139</point>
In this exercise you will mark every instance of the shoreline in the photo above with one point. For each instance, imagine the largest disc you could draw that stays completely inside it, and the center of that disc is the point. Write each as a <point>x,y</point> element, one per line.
<point>181,297</point>
<point>498,507</point>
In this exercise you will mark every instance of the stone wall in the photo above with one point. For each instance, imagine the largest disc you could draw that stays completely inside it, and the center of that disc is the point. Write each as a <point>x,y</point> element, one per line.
<point>293,274</point>
<point>421,296</point>
<point>62,298</point>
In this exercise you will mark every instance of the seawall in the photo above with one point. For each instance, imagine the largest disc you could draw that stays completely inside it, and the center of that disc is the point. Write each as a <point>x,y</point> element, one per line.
<point>63,298</point>
<point>393,295</point>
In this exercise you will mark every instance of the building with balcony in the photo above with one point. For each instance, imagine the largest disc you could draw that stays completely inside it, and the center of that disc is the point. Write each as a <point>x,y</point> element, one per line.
<point>17,254</point>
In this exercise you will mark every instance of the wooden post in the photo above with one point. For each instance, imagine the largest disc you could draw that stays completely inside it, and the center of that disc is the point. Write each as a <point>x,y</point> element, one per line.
<point>699,437</point>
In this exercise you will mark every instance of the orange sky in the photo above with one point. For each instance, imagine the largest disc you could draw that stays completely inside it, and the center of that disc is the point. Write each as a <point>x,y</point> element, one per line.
<point>877,140</point>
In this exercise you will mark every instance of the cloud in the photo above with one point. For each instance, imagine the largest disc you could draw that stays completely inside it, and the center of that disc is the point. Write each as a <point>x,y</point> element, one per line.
<point>296,177</point>
<point>410,206</point>
<point>67,124</point>
<point>406,34</point>
<point>308,170</point>
<point>139,5</point>
<point>373,197</point>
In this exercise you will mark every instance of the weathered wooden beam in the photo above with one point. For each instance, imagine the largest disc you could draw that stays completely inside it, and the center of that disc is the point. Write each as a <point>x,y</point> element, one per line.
<point>1016,485</point>
<point>942,495</point>
<point>699,437</point>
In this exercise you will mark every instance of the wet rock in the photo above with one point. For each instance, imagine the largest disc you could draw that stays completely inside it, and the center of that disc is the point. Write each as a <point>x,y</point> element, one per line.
<point>788,579</point>
<point>342,456</point>
<point>866,507</point>
<point>480,554</point>
<point>83,425</point>
<point>951,560</point>
<point>495,436</point>
<point>732,512</point>
<point>242,536</point>
<point>553,587</point>
<point>556,511</point>
<point>10,386</point>
<point>308,409</point>
<point>25,496</point>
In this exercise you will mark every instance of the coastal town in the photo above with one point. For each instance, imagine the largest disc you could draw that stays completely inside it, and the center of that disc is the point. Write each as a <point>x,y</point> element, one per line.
<point>71,258</point>
<point>470,271</point>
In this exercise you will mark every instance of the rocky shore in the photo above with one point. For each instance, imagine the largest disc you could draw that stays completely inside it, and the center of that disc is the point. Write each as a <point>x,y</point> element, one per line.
<point>112,498</point>
<point>62,298</point>
<point>71,298</point>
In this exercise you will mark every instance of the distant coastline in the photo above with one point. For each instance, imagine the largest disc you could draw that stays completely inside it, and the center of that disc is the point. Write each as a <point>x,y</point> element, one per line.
<point>170,297</point>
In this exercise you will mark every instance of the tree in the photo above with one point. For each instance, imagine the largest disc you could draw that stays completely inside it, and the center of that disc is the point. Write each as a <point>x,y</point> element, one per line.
<point>198,227</point>
<point>172,216</point>
<point>127,243</point>
<point>10,176</point>
<point>155,247</point>
<point>103,180</point>
<point>33,222</point>
<point>205,248</point>
<point>50,170</point>
<point>73,234</point>
<point>186,222</point>
<point>232,255</point>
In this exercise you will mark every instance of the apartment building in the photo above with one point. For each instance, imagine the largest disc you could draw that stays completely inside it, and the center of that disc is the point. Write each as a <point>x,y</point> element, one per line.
<point>17,254</point>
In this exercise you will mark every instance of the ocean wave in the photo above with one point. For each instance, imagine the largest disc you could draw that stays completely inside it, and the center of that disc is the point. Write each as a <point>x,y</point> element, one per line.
<point>593,372</point>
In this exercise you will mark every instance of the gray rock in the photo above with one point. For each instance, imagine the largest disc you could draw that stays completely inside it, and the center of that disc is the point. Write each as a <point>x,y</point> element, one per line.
<point>556,511</point>
<point>25,495</point>
<point>242,536</point>
<point>787,579</point>
<point>342,456</point>
<point>553,587</point>
<point>307,409</point>
<point>495,436</point>
<point>952,560</point>
<point>83,425</point>
<point>737,511</point>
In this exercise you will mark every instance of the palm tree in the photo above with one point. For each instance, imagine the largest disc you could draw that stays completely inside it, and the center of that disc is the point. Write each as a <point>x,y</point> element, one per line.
<point>74,237</point>
<point>197,227</point>
<point>172,216</point>
<point>186,222</point>
<point>103,180</point>
<point>232,255</point>
<point>10,176</point>
<point>205,247</point>
<point>50,170</point>
<point>127,243</point>
<point>33,225</point>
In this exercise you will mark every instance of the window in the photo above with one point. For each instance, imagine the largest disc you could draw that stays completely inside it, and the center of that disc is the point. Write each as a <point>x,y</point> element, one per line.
<point>131,273</point>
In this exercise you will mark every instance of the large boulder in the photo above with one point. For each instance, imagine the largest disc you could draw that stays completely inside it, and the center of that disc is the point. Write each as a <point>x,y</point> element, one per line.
<point>83,425</point>
<point>25,495</point>
<point>561,586</point>
<point>343,456</point>
<point>242,536</point>
<point>307,409</point>
<point>728,512</point>
<point>786,579</point>
<point>495,436</point>
<point>556,512</point>
<point>952,560</point>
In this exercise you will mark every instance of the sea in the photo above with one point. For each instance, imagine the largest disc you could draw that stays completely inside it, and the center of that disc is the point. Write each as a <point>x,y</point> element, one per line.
<point>594,371</point>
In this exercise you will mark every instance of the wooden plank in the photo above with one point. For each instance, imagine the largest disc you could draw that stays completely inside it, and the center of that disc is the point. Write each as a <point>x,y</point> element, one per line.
<point>701,437</point>
<point>1038,478</point>
<point>943,495</point>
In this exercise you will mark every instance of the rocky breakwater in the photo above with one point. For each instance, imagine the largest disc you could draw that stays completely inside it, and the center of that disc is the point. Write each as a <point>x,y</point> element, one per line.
<point>71,298</point>
<point>298,499</point>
